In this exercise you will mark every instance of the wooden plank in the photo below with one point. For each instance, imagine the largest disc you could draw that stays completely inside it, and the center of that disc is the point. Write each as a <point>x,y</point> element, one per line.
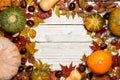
<point>62,53</point>
<point>53,33</point>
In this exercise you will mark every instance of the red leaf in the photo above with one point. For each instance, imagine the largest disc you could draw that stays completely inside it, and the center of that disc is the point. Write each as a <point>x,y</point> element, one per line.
<point>71,67</point>
<point>115,61</point>
<point>95,46</point>
<point>67,70</point>
<point>103,30</point>
<point>117,44</point>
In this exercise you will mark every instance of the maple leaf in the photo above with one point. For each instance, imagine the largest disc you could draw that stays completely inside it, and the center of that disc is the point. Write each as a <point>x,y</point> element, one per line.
<point>115,61</point>
<point>67,70</point>
<point>95,46</point>
<point>84,58</point>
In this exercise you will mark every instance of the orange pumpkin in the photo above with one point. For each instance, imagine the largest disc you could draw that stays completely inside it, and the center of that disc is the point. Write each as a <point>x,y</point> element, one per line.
<point>99,61</point>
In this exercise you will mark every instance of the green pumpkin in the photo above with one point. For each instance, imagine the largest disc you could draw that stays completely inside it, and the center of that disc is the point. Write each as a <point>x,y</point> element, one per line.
<point>114,22</point>
<point>94,22</point>
<point>12,19</point>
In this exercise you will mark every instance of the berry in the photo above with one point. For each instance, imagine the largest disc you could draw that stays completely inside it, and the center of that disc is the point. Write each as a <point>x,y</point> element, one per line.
<point>31,8</point>
<point>72,6</point>
<point>30,23</point>
<point>106,15</point>
<point>16,39</point>
<point>81,68</point>
<point>23,51</point>
<point>29,68</point>
<point>20,69</point>
<point>23,61</point>
<point>58,74</point>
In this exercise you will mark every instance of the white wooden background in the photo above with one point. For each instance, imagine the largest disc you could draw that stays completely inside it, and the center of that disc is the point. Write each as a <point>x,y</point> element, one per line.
<point>62,41</point>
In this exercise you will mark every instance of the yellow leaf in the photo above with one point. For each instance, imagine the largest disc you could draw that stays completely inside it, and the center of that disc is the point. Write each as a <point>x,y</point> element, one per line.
<point>31,48</point>
<point>30,2</point>
<point>57,11</point>
<point>24,32</point>
<point>37,20</point>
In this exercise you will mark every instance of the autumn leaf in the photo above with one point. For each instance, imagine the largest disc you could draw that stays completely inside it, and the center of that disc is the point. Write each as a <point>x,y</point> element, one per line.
<point>115,61</point>
<point>84,58</point>
<point>24,32</point>
<point>57,11</point>
<point>67,70</point>
<point>37,20</point>
<point>31,47</point>
<point>30,2</point>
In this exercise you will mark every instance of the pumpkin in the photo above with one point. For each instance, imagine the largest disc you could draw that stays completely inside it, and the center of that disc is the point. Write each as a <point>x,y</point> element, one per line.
<point>99,61</point>
<point>10,59</point>
<point>114,22</point>
<point>12,19</point>
<point>94,22</point>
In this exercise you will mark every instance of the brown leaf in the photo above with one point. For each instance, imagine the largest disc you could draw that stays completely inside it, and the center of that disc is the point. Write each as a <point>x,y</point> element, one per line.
<point>84,58</point>
<point>118,73</point>
<point>67,70</point>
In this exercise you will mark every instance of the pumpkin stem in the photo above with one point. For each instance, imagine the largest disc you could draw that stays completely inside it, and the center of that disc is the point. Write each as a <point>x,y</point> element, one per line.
<point>12,18</point>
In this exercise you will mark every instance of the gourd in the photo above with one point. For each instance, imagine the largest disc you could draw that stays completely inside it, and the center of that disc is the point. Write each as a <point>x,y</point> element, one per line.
<point>46,5</point>
<point>99,61</point>
<point>10,59</point>
<point>114,22</point>
<point>94,22</point>
<point>12,19</point>
<point>74,75</point>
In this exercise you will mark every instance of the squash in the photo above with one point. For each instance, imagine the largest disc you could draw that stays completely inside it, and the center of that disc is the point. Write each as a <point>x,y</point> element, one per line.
<point>10,59</point>
<point>94,22</point>
<point>12,19</point>
<point>74,75</point>
<point>114,22</point>
<point>46,5</point>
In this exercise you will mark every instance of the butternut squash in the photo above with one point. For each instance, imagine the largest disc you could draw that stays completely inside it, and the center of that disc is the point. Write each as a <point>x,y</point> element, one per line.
<point>46,5</point>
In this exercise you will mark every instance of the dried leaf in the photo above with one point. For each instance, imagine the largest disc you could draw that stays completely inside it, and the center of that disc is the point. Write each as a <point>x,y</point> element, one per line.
<point>37,20</point>
<point>30,2</point>
<point>67,70</point>
<point>83,4</point>
<point>57,11</point>
<point>111,48</point>
<point>118,73</point>
<point>24,32</point>
<point>115,61</point>
<point>31,48</point>
<point>38,63</point>
<point>84,58</point>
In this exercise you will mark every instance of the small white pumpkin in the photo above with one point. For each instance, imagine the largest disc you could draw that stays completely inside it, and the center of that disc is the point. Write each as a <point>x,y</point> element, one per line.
<point>10,59</point>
